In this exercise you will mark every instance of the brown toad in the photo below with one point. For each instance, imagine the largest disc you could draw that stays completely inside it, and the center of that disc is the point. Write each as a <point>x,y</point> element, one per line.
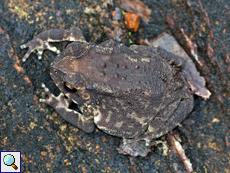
<point>137,93</point>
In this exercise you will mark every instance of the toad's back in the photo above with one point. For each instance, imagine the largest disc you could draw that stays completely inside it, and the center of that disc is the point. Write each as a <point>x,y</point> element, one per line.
<point>120,71</point>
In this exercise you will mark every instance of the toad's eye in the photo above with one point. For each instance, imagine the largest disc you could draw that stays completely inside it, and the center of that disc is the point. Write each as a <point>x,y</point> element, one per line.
<point>68,43</point>
<point>69,87</point>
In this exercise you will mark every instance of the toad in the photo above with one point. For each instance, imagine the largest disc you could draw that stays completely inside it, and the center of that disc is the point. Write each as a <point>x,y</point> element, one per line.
<point>137,93</point>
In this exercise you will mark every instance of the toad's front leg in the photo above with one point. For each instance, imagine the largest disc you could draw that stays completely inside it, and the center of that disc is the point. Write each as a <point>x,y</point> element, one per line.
<point>41,41</point>
<point>61,104</point>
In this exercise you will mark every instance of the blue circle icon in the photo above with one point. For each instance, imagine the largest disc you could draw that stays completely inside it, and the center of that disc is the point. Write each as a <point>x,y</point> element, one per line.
<point>9,159</point>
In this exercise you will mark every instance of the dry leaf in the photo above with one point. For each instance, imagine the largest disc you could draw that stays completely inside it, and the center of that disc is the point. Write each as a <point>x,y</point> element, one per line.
<point>195,81</point>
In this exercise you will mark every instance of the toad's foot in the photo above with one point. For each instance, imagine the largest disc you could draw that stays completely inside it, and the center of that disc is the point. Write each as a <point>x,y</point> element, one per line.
<point>61,104</point>
<point>39,45</point>
<point>41,41</point>
<point>137,148</point>
<point>56,102</point>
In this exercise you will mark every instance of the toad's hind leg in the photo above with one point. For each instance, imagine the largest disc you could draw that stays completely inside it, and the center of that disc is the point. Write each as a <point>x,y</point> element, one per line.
<point>61,105</point>
<point>140,146</point>
<point>184,108</point>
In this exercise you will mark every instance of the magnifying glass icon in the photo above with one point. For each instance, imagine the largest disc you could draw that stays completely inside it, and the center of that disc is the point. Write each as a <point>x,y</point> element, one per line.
<point>9,160</point>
